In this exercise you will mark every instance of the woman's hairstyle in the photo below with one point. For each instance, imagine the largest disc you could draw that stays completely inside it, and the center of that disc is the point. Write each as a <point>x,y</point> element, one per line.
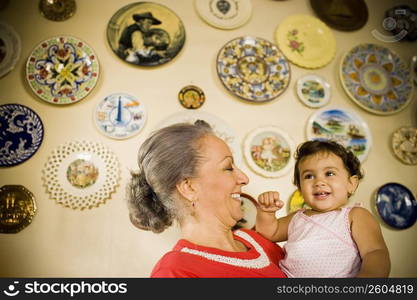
<point>350,161</point>
<point>167,156</point>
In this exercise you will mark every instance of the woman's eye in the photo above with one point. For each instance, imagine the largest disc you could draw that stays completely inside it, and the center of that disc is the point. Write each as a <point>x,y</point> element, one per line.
<point>230,168</point>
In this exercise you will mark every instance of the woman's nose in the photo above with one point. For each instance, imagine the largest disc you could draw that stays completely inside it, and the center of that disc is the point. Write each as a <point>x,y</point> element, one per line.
<point>242,178</point>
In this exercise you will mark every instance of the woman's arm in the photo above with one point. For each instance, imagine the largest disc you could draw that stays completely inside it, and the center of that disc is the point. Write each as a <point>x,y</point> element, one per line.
<point>367,234</point>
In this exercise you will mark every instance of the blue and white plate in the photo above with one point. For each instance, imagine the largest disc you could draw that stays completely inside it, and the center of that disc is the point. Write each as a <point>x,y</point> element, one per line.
<point>396,205</point>
<point>21,134</point>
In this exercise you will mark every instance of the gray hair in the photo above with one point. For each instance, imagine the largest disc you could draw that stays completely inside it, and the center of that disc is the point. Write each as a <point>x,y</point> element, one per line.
<point>168,156</point>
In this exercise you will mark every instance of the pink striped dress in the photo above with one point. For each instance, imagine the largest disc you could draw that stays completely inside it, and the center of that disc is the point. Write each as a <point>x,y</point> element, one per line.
<point>321,246</point>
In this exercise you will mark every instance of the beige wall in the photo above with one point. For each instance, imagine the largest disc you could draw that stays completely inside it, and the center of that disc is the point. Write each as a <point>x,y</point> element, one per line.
<point>101,241</point>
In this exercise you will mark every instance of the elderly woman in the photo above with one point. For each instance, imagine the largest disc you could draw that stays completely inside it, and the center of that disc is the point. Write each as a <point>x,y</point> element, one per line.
<point>187,174</point>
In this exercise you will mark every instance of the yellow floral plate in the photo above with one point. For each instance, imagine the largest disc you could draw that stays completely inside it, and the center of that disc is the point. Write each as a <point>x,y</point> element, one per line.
<point>306,41</point>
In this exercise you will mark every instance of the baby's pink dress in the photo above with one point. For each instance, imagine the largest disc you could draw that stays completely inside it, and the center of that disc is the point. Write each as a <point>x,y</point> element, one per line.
<point>321,246</point>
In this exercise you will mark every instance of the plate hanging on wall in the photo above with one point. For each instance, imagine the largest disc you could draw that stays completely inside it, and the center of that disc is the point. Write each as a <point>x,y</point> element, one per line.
<point>343,126</point>
<point>376,79</point>
<point>146,34</point>
<point>248,206</point>
<point>313,90</point>
<point>21,134</point>
<point>404,145</point>
<point>224,14</point>
<point>10,48</point>
<point>120,116</point>
<point>62,70</point>
<point>81,174</point>
<point>269,151</point>
<point>191,97</point>
<point>396,205</point>
<point>306,41</point>
<point>253,69</point>
<point>57,10</point>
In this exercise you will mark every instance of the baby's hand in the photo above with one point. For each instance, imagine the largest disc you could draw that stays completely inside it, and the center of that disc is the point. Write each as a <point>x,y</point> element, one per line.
<point>269,202</point>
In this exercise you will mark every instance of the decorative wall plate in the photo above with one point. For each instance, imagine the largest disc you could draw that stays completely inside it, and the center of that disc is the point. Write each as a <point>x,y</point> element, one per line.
<point>396,205</point>
<point>249,205</point>
<point>62,70</point>
<point>296,202</point>
<point>253,69</point>
<point>145,34</point>
<point>306,41</point>
<point>269,151</point>
<point>376,79</point>
<point>404,22</point>
<point>120,116</point>
<point>313,90</point>
<point>343,126</point>
<point>345,15</point>
<point>81,174</point>
<point>219,126</point>
<point>21,134</point>
<point>191,97</point>
<point>224,14</point>
<point>17,208</point>
<point>10,48</point>
<point>414,68</point>
<point>57,10</point>
<point>404,145</point>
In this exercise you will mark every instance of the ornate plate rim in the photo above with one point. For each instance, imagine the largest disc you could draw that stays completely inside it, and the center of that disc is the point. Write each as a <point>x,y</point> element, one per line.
<point>326,85</point>
<point>198,5</point>
<point>246,151</point>
<point>392,144</point>
<point>194,88</point>
<point>65,36</point>
<point>350,112</point>
<point>315,64</point>
<point>145,118</point>
<point>403,187</point>
<point>8,66</point>
<point>357,102</point>
<point>413,67</point>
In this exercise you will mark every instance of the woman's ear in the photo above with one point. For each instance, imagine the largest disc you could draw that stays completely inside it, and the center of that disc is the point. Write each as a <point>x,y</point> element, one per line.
<point>353,184</point>
<point>186,189</point>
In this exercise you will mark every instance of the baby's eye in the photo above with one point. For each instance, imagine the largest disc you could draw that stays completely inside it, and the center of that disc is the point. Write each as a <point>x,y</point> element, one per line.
<point>308,176</point>
<point>330,173</point>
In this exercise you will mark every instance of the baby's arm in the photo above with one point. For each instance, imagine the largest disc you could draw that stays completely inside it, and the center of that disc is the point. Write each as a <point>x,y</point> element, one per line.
<point>267,224</point>
<point>368,237</point>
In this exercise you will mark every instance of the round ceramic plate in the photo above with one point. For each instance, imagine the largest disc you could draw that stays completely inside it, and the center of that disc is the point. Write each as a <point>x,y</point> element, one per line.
<point>376,79</point>
<point>306,41</point>
<point>253,69</point>
<point>224,14</point>
<point>57,10</point>
<point>219,126</point>
<point>347,15</point>
<point>81,174</point>
<point>249,205</point>
<point>343,126</point>
<point>120,116</point>
<point>145,34</point>
<point>17,208</point>
<point>414,68</point>
<point>313,90</point>
<point>404,145</point>
<point>269,151</point>
<point>21,134</point>
<point>62,70</point>
<point>401,21</point>
<point>296,202</point>
<point>191,97</point>
<point>10,48</point>
<point>396,205</point>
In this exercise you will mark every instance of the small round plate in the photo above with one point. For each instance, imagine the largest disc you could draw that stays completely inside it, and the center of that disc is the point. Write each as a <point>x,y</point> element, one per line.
<point>341,15</point>
<point>296,202</point>
<point>191,97</point>
<point>306,41</point>
<point>17,208</point>
<point>376,79</point>
<point>10,48</point>
<point>396,205</point>
<point>269,151</point>
<point>145,34</point>
<point>313,90</point>
<point>253,69</point>
<point>224,14</point>
<point>249,205</point>
<point>62,70</point>
<point>120,116</point>
<point>404,145</point>
<point>21,134</point>
<point>343,126</point>
<point>57,10</point>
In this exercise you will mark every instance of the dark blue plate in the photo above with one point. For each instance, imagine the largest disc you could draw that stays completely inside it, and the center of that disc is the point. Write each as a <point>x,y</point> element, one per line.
<point>21,134</point>
<point>396,205</point>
